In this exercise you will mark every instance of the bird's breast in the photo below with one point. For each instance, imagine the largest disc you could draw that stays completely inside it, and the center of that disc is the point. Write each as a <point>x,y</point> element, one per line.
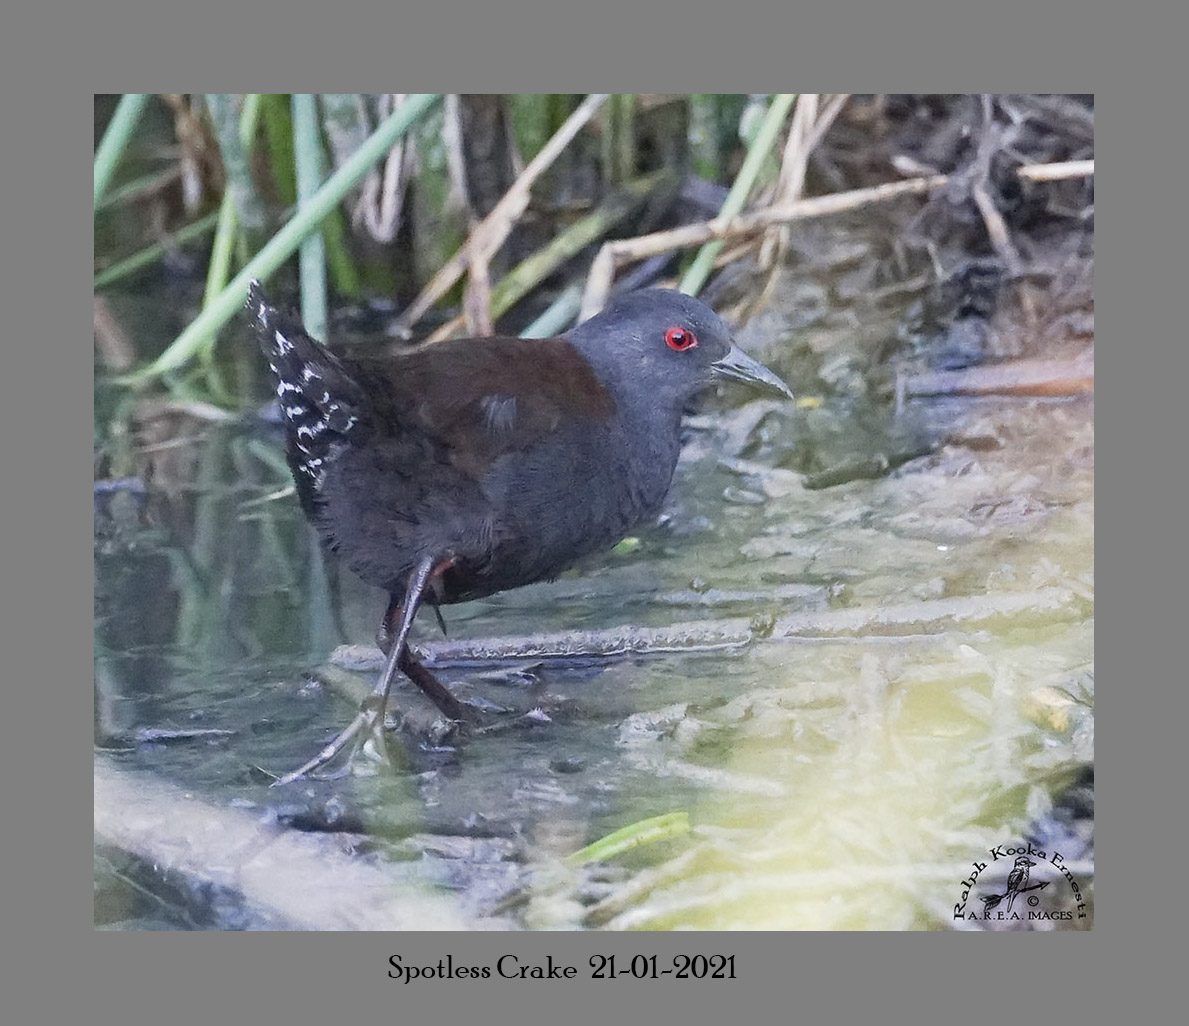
<point>577,492</point>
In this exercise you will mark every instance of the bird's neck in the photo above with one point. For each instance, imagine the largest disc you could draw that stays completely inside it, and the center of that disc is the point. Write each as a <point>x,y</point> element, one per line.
<point>652,409</point>
<point>646,424</point>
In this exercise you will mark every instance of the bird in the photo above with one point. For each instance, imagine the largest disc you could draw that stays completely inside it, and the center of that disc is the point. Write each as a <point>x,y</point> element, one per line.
<point>1017,879</point>
<point>1017,883</point>
<point>467,467</point>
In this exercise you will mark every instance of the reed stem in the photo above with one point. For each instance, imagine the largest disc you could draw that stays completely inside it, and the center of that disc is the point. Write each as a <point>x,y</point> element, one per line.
<point>115,140</point>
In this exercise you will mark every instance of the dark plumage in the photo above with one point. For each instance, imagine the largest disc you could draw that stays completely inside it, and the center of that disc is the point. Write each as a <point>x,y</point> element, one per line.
<point>475,465</point>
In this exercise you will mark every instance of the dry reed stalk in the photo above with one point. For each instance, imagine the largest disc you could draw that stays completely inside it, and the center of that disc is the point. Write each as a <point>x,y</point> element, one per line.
<point>623,251</point>
<point>531,271</point>
<point>487,236</point>
<point>381,199</point>
<point>806,130</point>
<point>791,181</point>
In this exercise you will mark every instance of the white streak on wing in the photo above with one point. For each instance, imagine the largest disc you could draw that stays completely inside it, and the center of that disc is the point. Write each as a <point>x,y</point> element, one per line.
<point>499,411</point>
<point>309,374</point>
<point>283,344</point>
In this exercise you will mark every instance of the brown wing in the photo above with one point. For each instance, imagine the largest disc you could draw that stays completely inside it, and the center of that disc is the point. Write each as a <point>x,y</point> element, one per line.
<point>481,398</point>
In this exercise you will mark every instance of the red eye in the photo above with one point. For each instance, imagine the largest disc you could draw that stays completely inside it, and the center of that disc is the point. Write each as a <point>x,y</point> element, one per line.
<point>680,339</point>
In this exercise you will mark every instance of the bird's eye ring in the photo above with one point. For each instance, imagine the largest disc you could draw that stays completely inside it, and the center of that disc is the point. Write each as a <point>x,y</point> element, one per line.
<point>680,339</point>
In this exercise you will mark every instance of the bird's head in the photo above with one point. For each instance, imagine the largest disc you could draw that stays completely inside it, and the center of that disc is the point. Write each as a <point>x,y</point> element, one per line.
<point>669,346</point>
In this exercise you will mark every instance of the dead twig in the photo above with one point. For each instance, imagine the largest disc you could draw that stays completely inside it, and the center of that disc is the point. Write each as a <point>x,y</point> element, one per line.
<point>197,146</point>
<point>988,146</point>
<point>1056,172</point>
<point>476,300</point>
<point>806,131</point>
<point>996,228</point>
<point>791,180</point>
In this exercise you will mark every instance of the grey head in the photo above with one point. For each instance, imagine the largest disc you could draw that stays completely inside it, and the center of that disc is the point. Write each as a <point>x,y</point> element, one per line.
<point>661,347</point>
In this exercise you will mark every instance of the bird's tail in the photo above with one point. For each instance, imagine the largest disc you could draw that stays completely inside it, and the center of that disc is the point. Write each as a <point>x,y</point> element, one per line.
<point>321,404</point>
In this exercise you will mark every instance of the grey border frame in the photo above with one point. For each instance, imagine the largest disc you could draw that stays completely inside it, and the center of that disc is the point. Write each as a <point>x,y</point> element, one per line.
<point>64,971</point>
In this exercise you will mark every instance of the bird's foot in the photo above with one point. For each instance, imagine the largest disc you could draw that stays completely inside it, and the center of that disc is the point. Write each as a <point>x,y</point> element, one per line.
<point>366,730</point>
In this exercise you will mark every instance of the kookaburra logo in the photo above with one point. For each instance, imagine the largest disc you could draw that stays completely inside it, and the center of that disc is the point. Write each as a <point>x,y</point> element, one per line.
<point>1017,883</point>
<point>1032,870</point>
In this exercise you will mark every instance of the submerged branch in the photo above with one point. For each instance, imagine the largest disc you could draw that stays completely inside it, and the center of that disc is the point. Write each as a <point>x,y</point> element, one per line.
<point>932,616</point>
<point>267,876</point>
<point>1020,377</point>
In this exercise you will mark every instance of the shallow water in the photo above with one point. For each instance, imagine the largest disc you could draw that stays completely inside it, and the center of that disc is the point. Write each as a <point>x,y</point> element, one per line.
<point>835,776</point>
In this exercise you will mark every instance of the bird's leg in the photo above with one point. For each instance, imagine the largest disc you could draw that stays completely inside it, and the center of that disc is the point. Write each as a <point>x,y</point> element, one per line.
<point>418,580</point>
<point>370,717</point>
<point>384,631</point>
<point>434,689</point>
<point>399,657</point>
<point>431,686</point>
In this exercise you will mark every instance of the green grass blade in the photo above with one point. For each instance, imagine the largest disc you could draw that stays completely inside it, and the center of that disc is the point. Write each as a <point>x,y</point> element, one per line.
<point>695,277</point>
<point>529,116</point>
<point>339,262</point>
<point>145,185</point>
<point>151,254</point>
<point>115,140</point>
<point>647,831</point>
<point>235,130</point>
<point>619,138</point>
<point>558,316</point>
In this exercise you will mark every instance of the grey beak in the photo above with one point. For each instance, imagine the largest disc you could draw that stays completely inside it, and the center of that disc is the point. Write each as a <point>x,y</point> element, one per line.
<point>741,367</point>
